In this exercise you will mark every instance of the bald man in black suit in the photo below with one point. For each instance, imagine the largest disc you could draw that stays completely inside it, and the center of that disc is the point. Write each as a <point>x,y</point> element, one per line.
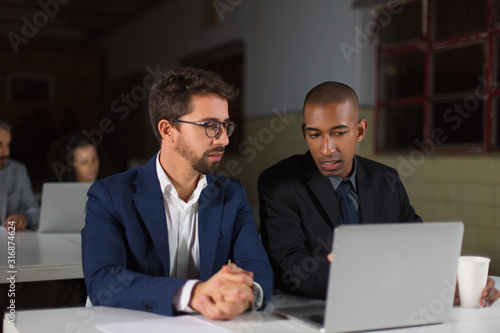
<point>299,204</point>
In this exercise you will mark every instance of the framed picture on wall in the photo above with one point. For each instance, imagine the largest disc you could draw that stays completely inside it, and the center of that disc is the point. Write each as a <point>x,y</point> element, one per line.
<point>30,88</point>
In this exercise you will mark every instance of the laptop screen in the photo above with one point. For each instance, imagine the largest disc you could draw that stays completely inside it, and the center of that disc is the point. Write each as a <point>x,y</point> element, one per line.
<point>63,207</point>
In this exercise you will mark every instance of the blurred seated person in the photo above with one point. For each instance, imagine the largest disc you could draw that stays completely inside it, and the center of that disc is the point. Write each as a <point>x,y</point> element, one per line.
<point>73,158</point>
<point>18,206</point>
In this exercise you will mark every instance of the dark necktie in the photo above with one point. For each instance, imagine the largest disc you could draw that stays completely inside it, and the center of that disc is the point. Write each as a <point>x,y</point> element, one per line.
<point>348,213</point>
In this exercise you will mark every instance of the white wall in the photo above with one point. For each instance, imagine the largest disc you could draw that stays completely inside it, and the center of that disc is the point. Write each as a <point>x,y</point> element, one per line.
<point>291,45</point>
<point>299,48</point>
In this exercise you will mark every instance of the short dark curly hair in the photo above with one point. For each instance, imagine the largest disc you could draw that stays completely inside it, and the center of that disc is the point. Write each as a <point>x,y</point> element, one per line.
<point>172,93</point>
<point>5,125</point>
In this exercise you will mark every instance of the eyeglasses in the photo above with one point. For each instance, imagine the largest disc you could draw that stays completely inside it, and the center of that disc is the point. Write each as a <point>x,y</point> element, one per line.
<point>212,127</point>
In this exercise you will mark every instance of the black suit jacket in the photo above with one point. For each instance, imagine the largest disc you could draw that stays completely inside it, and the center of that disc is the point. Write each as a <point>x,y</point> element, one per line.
<point>299,210</point>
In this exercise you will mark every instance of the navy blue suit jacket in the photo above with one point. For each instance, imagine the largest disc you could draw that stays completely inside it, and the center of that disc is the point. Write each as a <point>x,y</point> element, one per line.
<point>125,248</point>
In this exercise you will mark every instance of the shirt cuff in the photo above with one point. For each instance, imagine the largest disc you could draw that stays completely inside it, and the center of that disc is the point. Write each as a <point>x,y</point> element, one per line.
<point>183,295</point>
<point>30,220</point>
<point>259,297</point>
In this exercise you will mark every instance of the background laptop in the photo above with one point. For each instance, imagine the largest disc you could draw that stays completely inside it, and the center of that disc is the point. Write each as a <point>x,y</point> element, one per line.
<point>387,276</point>
<point>63,207</point>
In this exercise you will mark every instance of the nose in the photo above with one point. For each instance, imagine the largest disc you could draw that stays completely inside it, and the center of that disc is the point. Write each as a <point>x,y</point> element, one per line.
<point>328,146</point>
<point>221,138</point>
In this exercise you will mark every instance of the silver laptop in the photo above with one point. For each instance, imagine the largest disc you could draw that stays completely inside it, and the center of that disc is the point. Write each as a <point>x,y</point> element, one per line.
<point>387,276</point>
<point>63,207</point>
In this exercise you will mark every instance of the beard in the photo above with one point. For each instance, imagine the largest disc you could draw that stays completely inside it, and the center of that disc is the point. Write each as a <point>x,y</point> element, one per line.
<point>3,161</point>
<point>199,164</point>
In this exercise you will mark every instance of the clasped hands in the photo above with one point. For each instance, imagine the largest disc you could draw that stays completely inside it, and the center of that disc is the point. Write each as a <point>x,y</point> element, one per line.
<point>225,295</point>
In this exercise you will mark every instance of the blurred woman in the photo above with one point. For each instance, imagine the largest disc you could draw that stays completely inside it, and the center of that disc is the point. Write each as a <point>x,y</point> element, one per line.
<point>73,158</point>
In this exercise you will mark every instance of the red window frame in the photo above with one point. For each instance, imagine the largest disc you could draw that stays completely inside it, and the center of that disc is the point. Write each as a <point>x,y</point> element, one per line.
<point>428,46</point>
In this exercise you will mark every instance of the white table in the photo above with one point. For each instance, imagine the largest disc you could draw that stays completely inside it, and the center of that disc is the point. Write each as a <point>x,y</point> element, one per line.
<point>88,320</point>
<point>42,257</point>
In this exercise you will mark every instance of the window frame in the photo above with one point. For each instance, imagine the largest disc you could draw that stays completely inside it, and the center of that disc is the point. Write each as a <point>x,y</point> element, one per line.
<point>429,46</point>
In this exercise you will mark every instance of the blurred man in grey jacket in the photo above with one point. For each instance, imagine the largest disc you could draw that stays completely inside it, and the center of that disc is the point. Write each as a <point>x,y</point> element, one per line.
<point>18,206</point>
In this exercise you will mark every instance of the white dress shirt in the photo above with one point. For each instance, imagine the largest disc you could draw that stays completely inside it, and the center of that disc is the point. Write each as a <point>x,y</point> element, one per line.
<point>182,226</point>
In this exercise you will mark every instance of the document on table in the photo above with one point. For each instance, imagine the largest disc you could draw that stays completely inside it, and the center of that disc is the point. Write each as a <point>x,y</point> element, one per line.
<point>184,324</point>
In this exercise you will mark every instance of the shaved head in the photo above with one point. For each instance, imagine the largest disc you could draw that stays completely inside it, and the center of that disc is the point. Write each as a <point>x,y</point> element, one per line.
<point>333,92</point>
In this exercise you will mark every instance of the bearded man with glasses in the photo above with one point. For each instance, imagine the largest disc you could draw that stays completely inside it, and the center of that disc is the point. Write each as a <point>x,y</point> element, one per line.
<point>173,236</point>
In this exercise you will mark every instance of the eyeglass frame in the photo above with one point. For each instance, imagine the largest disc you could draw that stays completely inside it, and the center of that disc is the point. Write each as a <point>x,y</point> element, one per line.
<point>224,124</point>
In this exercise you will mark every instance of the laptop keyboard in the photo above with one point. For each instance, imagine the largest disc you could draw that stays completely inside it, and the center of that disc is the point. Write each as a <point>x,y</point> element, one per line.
<point>317,318</point>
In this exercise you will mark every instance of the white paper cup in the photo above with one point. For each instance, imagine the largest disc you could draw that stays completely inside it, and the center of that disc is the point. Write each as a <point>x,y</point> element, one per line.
<point>472,277</point>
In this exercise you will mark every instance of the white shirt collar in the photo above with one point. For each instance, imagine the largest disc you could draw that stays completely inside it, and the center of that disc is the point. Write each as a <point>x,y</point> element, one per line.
<point>167,188</point>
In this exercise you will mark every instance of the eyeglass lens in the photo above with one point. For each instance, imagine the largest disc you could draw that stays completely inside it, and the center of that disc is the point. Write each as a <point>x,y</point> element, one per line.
<point>213,128</point>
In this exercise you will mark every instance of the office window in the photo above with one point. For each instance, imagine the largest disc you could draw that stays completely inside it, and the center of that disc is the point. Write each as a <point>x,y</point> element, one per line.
<point>439,72</point>
<point>460,122</point>
<point>457,69</point>
<point>405,26</point>
<point>455,18</point>
<point>402,76</point>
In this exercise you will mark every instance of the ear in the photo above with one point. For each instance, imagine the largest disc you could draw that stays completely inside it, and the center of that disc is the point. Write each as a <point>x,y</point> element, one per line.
<point>166,130</point>
<point>304,130</point>
<point>361,128</point>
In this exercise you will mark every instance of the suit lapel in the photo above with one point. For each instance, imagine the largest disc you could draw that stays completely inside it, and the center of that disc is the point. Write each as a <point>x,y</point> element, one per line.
<point>323,190</point>
<point>209,224</point>
<point>365,192</point>
<point>148,200</point>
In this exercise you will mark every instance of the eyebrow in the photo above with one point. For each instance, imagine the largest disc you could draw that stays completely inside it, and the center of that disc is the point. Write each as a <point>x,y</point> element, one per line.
<point>213,119</point>
<point>331,128</point>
